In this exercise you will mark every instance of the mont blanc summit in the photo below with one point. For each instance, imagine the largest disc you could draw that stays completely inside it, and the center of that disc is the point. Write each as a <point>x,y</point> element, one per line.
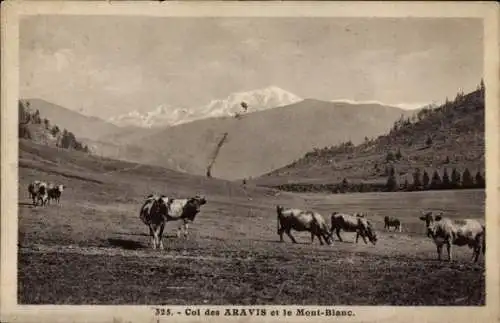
<point>165,115</point>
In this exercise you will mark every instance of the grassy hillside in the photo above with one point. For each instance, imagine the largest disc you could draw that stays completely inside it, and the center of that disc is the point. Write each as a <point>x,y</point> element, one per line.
<point>450,136</point>
<point>262,141</point>
<point>84,127</point>
<point>104,173</point>
<point>34,126</point>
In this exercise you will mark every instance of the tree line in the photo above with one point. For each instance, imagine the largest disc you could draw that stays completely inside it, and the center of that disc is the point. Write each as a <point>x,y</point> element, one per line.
<point>66,139</point>
<point>422,181</point>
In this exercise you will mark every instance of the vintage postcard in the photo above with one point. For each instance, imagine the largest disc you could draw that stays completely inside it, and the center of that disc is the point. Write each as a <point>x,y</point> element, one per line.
<point>249,161</point>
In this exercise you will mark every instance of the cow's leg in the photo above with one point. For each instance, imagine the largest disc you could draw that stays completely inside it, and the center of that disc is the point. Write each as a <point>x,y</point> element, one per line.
<point>476,249</point>
<point>179,231</point>
<point>326,237</point>
<point>152,234</point>
<point>338,235</point>
<point>160,235</point>
<point>186,226</point>
<point>475,253</point>
<point>312,237</point>
<point>280,233</point>
<point>289,234</point>
<point>157,235</point>
<point>362,236</point>
<point>448,249</point>
<point>439,248</point>
<point>320,238</point>
<point>400,228</point>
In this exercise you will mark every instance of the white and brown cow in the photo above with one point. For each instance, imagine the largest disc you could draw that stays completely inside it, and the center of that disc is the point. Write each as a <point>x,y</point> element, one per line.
<point>55,192</point>
<point>300,220</point>
<point>463,232</point>
<point>159,209</point>
<point>353,223</point>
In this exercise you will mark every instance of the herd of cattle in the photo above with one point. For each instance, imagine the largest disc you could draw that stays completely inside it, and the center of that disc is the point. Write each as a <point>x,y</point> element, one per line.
<point>157,210</point>
<point>42,192</point>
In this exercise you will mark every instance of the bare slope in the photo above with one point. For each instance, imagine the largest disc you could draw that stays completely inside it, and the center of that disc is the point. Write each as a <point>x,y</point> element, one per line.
<point>262,141</point>
<point>451,136</point>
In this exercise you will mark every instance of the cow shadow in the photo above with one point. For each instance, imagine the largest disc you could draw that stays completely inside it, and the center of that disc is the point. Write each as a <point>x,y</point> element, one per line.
<point>165,236</point>
<point>125,244</point>
<point>132,234</point>
<point>26,204</point>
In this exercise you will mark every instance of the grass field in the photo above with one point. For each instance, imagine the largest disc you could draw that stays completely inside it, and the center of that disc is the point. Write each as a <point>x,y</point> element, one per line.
<point>93,249</point>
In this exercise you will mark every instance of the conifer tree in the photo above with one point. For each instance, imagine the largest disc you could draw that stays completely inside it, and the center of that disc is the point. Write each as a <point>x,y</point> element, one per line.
<point>436,180</point>
<point>425,179</point>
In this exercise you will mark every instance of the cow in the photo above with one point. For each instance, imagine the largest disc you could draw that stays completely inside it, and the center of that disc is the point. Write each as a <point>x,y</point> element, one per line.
<point>184,210</point>
<point>352,223</point>
<point>42,195</point>
<point>390,221</point>
<point>33,189</point>
<point>300,220</point>
<point>159,209</point>
<point>55,192</point>
<point>464,232</point>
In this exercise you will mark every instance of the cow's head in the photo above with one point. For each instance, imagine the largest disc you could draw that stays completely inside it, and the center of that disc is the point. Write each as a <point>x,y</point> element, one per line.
<point>197,201</point>
<point>279,209</point>
<point>60,187</point>
<point>429,220</point>
<point>370,231</point>
<point>432,230</point>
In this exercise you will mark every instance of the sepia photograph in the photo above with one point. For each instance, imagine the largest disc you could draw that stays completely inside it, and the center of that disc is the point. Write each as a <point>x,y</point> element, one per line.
<point>244,161</point>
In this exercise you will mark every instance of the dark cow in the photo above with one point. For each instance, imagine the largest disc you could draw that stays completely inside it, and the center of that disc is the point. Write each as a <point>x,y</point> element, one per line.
<point>300,220</point>
<point>351,223</point>
<point>159,209</point>
<point>444,231</point>
<point>33,190</point>
<point>55,192</point>
<point>390,221</point>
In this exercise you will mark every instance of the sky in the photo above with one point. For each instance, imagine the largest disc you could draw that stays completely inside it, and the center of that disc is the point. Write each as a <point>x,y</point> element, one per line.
<point>110,65</point>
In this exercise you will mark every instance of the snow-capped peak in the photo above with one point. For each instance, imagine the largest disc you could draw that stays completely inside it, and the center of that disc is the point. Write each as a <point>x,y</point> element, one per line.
<point>255,100</point>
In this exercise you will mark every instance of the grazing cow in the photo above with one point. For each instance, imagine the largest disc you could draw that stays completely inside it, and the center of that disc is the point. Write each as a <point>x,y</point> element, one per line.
<point>55,192</point>
<point>445,231</point>
<point>390,221</point>
<point>350,223</point>
<point>33,190</point>
<point>157,210</point>
<point>301,221</point>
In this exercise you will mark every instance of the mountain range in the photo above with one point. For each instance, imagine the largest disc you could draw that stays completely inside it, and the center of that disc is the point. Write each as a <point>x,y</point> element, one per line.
<point>277,128</point>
